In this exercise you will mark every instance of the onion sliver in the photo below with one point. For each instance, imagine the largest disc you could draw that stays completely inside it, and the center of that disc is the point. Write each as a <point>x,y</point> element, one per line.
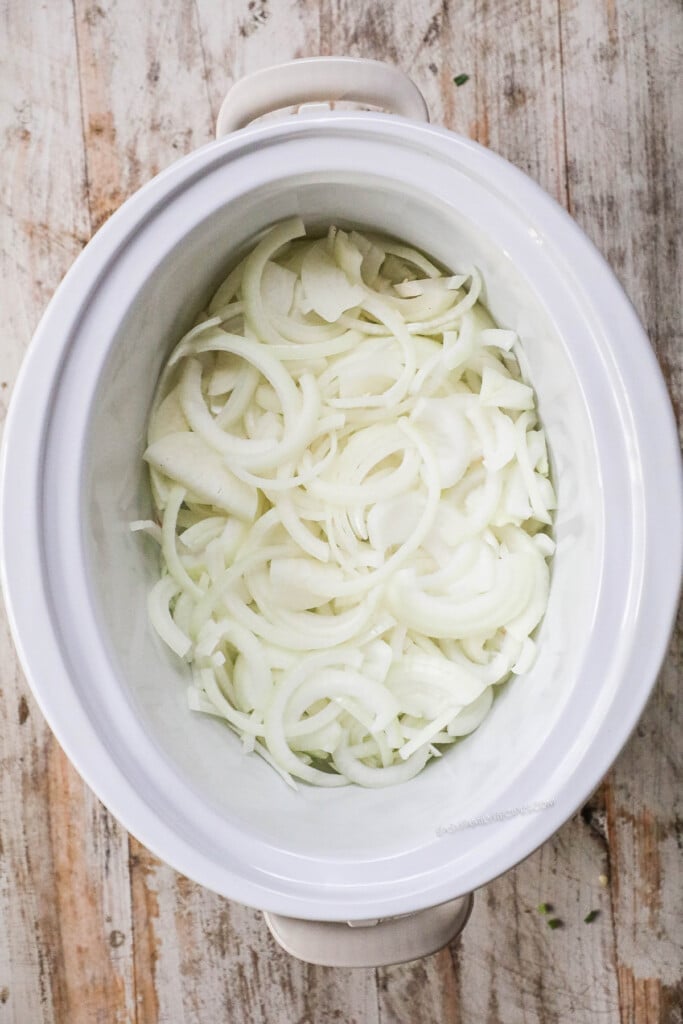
<point>353,769</point>
<point>254,267</point>
<point>484,614</point>
<point>188,460</point>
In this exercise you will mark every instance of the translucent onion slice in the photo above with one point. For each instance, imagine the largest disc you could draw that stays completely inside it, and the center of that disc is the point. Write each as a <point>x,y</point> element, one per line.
<point>326,286</point>
<point>254,267</point>
<point>485,613</point>
<point>158,602</point>
<point>185,458</point>
<point>353,769</point>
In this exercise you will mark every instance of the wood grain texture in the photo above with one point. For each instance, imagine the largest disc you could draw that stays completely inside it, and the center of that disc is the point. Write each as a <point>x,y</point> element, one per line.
<point>95,98</point>
<point>634,215</point>
<point>64,893</point>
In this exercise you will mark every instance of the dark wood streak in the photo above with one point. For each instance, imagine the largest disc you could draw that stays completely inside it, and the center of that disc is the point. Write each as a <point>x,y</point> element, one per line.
<point>145,942</point>
<point>23,710</point>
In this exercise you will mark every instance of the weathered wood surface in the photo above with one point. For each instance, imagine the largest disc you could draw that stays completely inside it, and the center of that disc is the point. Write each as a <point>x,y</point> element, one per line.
<point>94,99</point>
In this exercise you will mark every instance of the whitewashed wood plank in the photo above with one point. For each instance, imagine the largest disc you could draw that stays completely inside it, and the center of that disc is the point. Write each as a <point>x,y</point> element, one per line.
<point>209,959</point>
<point>243,36</point>
<point>143,93</point>
<point>91,886</point>
<point>28,981</point>
<point>63,876</point>
<point>624,64</point>
<point>624,116</point>
<point>515,967</point>
<point>509,964</point>
<point>512,102</point>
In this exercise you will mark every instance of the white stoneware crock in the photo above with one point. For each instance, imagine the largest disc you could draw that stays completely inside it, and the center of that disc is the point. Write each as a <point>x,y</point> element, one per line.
<point>76,579</point>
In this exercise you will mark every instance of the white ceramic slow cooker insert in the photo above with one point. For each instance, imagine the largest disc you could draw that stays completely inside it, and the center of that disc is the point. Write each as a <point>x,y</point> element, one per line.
<point>76,579</point>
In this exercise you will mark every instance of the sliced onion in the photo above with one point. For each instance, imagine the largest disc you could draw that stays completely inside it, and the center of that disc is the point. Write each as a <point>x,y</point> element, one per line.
<point>185,458</point>
<point>352,487</point>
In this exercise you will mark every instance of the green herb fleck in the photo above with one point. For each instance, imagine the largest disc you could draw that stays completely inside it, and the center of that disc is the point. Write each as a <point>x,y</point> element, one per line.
<point>590,916</point>
<point>554,922</point>
<point>461,79</point>
<point>544,908</point>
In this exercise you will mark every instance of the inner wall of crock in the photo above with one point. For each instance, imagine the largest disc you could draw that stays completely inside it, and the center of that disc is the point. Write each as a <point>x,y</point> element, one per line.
<point>471,777</point>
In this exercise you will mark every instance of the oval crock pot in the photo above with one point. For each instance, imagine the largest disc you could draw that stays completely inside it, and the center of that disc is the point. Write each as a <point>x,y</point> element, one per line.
<point>76,579</point>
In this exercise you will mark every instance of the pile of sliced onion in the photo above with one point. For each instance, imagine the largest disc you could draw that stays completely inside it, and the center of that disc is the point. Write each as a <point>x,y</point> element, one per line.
<point>352,494</point>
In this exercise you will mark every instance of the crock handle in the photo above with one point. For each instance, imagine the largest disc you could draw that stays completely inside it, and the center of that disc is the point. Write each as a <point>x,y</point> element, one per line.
<point>320,79</point>
<point>392,940</point>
